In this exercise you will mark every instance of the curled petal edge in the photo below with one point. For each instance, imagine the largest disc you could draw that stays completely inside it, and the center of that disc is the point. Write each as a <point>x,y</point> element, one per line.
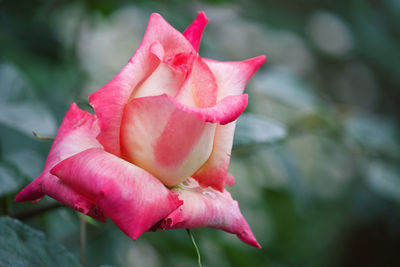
<point>224,112</point>
<point>132,198</point>
<point>77,132</point>
<point>206,207</point>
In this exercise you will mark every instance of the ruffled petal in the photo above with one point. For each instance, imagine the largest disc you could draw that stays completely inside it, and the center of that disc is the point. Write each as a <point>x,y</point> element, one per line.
<point>130,196</point>
<point>206,207</point>
<point>160,39</point>
<point>180,138</point>
<point>231,78</point>
<point>195,30</point>
<point>169,75</point>
<point>77,132</point>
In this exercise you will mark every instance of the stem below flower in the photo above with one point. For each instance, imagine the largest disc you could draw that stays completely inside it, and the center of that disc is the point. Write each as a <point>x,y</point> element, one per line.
<point>83,239</point>
<point>195,246</point>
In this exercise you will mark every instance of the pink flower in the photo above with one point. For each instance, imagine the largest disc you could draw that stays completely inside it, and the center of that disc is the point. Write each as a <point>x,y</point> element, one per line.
<point>156,153</point>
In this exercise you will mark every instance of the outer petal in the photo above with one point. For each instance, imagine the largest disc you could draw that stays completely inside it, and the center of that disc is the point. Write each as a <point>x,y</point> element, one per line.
<point>109,101</point>
<point>206,207</point>
<point>77,132</point>
<point>180,138</point>
<point>130,196</point>
<point>195,30</point>
<point>231,78</point>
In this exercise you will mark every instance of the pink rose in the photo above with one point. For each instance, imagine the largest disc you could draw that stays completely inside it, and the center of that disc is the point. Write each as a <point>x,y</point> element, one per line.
<point>156,153</point>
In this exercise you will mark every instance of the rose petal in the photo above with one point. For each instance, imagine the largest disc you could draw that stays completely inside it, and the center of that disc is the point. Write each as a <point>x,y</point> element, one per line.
<point>169,139</point>
<point>130,196</point>
<point>224,112</point>
<point>200,88</point>
<point>195,30</point>
<point>108,102</point>
<point>206,207</point>
<point>158,136</point>
<point>231,78</point>
<point>77,132</point>
<point>214,172</point>
<point>168,76</point>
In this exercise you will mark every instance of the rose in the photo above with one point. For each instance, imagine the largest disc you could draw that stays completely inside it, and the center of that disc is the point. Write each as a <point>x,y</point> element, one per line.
<point>156,153</point>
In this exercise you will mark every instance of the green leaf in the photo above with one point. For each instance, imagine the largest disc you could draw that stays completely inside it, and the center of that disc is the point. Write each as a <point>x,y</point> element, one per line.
<point>21,245</point>
<point>254,129</point>
<point>373,132</point>
<point>13,84</point>
<point>384,179</point>
<point>287,88</point>
<point>28,161</point>
<point>26,117</point>
<point>9,180</point>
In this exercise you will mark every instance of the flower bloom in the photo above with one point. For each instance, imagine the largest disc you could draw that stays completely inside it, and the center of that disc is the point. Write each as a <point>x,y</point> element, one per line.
<point>155,154</point>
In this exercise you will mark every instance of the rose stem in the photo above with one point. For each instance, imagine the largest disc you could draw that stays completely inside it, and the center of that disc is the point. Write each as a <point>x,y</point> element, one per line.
<point>83,239</point>
<point>195,246</point>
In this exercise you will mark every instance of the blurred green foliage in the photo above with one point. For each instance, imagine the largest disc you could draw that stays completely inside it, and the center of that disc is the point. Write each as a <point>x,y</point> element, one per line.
<point>21,245</point>
<point>316,157</point>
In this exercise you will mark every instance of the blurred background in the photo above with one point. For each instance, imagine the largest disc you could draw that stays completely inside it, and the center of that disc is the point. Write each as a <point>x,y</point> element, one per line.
<point>316,154</point>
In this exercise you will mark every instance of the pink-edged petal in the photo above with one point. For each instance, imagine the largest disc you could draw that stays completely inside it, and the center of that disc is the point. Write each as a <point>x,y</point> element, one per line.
<point>214,172</point>
<point>181,136</point>
<point>195,30</point>
<point>168,77</point>
<point>77,132</point>
<point>231,78</point>
<point>160,39</point>
<point>200,88</point>
<point>160,137</point>
<point>130,196</point>
<point>224,112</point>
<point>206,207</point>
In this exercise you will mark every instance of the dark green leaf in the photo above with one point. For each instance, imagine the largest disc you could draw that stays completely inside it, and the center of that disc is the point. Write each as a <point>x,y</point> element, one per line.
<point>383,178</point>
<point>254,129</point>
<point>9,180</point>
<point>26,117</point>
<point>21,245</point>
